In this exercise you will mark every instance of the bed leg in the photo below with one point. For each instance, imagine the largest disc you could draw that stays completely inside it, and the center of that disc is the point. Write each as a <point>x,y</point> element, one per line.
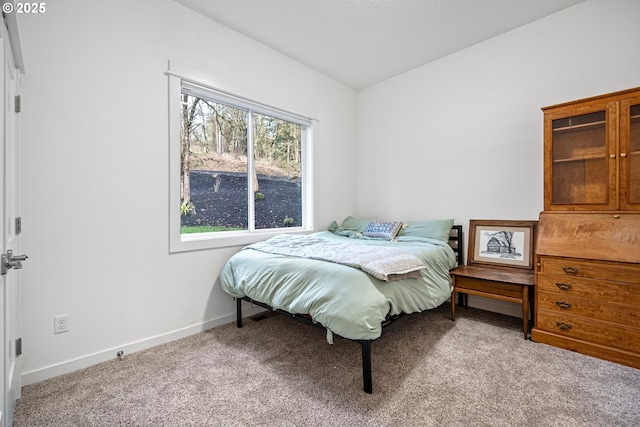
<point>239,312</point>
<point>366,366</point>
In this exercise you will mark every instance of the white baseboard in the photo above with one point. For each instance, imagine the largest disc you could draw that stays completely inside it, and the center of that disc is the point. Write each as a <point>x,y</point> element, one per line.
<point>41,374</point>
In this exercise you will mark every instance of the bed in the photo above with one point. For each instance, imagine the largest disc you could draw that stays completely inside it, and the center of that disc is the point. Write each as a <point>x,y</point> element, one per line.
<point>353,279</point>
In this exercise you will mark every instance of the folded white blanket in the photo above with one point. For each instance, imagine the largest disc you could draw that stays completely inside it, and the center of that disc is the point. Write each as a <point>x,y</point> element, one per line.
<point>384,263</point>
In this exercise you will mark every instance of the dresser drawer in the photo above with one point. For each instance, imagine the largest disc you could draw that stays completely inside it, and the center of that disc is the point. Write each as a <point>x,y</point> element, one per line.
<point>594,331</point>
<point>600,291</point>
<point>596,309</point>
<point>570,267</point>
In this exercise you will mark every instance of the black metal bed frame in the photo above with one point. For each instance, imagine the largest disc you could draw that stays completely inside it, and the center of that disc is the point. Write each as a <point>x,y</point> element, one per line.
<point>456,243</point>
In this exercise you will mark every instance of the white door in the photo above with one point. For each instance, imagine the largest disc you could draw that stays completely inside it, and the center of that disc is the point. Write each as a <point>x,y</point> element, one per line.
<point>9,237</point>
<point>3,342</point>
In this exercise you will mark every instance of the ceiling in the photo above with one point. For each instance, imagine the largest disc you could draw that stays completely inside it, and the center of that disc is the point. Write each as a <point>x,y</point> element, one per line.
<point>363,42</point>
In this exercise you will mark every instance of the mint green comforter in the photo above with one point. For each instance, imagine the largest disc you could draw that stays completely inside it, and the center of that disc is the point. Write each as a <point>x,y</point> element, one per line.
<point>345,300</point>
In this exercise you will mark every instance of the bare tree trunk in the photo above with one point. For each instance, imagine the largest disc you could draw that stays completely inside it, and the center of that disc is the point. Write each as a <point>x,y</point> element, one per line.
<point>187,121</point>
<point>186,181</point>
<point>256,186</point>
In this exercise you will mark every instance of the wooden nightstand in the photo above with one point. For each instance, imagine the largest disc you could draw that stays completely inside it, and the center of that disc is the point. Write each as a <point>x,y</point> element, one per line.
<point>501,284</point>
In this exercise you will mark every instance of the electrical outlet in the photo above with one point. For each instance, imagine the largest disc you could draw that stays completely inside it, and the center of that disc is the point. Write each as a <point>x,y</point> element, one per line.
<point>61,324</point>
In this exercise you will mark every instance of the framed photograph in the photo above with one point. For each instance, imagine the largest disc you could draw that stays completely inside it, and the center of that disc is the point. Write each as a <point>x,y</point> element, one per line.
<point>504,243</point>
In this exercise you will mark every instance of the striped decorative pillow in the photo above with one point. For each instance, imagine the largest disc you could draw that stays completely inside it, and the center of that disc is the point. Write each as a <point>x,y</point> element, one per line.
<point>383,230</point>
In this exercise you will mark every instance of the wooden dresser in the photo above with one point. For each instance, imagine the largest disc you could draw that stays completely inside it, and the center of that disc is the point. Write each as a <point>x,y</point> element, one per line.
<point>588,284</point>
<point>587,295</point>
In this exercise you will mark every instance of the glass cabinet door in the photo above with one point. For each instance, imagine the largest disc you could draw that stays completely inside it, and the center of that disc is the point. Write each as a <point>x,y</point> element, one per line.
<point>581,157</point>
<point>630,154</point>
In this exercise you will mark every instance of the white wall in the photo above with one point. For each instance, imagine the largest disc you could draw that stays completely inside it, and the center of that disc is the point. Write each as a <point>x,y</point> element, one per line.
<point>462,137</point>
<point>94,173</point>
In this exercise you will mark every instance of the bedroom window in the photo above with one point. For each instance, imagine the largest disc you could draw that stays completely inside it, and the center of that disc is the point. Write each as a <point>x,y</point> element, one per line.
<point>239,169</point>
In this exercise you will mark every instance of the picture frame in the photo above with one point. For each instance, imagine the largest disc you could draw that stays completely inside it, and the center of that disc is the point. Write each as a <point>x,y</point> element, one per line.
<point>502,243</point>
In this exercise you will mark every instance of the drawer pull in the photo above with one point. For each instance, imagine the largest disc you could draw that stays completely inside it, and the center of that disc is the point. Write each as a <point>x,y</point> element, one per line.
<point>570,270</point>
<point>563,286</point>
<point>563,326</point>
<point>563,305</point>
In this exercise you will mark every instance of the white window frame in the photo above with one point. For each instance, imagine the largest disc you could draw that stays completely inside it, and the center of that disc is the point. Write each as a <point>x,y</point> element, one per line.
<point>195,83</point>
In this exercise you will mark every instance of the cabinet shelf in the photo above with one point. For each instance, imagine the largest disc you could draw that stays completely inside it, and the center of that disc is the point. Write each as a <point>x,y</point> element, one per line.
<point>580,126</point>
<point>579,154</point>
<point>589,157</point>
<point>578,159</point>
<point>633,118</point>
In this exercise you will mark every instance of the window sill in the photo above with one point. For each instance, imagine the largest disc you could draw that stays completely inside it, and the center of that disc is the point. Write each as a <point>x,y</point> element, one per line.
<point>202,241</point>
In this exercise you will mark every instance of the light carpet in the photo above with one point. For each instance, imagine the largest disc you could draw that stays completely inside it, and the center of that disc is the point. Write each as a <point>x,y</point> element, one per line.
<point>427,371</point>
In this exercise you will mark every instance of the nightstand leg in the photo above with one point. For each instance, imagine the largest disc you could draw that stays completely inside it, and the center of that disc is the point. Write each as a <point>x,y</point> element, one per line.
<point>525,310</point>
<point>453,298</point>
<point>453,305</point>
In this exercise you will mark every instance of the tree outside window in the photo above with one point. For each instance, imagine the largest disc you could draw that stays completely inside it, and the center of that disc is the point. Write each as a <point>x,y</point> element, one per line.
<point>239,169</point>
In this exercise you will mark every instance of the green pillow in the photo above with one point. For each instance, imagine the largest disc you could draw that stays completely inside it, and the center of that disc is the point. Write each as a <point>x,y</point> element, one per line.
<point>354,224</point>
<point>438,229</point>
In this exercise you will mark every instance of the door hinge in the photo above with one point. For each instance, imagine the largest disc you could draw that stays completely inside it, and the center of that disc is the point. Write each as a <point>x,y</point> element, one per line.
<point>18,103</point>
<point>18,225</point>
<point>18,347</point>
